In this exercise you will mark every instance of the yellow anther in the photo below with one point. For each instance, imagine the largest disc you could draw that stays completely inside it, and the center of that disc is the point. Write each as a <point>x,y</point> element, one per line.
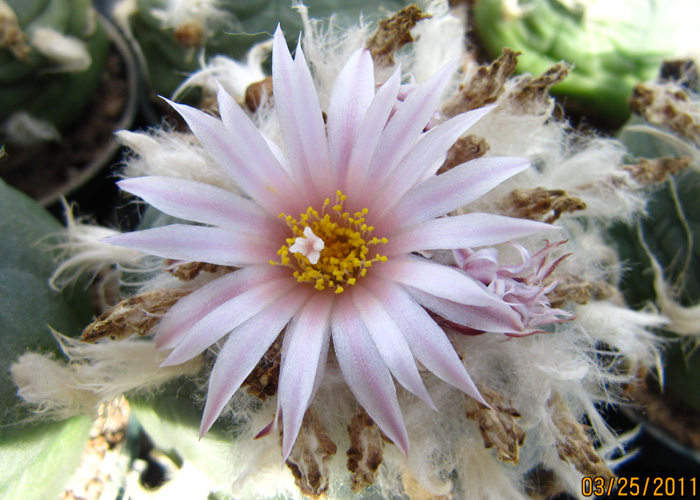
<point>346,238</point>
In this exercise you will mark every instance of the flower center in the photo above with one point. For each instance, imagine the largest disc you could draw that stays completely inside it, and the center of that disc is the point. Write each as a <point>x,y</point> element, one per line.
<point>330,250</point>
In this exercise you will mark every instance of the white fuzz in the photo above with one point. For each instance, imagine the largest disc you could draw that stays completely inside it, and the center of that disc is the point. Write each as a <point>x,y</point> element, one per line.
<point>84,253</point>
<point>94,373</point>
<point>173,154</point>
<point>25,130</point>
<point>233,75</point>
<point>69,53</point>
<point>178,12</point>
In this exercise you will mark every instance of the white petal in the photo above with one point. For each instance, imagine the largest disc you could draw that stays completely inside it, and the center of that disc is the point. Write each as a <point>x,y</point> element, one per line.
<point>391,344</point>
<point>299,111</point>
<point>199,202</point>
<point>369,134</point>
<point>199,244</point>
<point>437,279</point>
<point>461,231</point>
<point>352,94</point>
<point>190,309</point>
<point>228,316</point>
<point>447,192</point>
<point>302,356</point>
<point>365,372</point>
<point>428,153</point>
<point>427,340</point>
<point>243,152</point>
<point>406,125</point>
<point>243,350</point>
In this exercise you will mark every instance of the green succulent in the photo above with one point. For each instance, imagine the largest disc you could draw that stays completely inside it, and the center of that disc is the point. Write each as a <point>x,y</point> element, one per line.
<point>35,76</point>
<point>612,44</point>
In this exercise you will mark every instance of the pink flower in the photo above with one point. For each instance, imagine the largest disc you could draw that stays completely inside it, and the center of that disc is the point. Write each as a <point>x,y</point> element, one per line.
<point>520,285</point>
<point>325,242</point>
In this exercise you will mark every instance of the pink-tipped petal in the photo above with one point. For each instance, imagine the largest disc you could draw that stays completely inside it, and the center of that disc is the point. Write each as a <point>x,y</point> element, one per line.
<point>369,134</point>
<point>427,340</point>
<point>226,317</point>
<point>242,352</point>
<point>483,319</point>
<point>192,308</point>
<point>302,355</point>
<point>461,231</point>
<point>390,342</point>
<point>199,202</point>
<point>365,372</point>
<point>299,111</point>
<point>198,244</point>
<point>428,154</point>
<point>439,280</point>
<point>449,191</point>
<point>254,169</point>
<point>406,125</point>
<point>351,96</point>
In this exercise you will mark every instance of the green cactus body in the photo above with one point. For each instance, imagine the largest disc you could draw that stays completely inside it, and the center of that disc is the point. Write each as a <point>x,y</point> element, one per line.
<point>37,85</point>
<point>609,55</point>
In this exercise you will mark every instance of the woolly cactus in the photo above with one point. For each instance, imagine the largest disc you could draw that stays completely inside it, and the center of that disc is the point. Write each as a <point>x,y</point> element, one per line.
<point>173,34</point>
<point>51,57</point>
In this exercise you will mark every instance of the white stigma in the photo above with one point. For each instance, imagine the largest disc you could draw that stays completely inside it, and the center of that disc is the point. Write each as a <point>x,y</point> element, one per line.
<point>309,246</point>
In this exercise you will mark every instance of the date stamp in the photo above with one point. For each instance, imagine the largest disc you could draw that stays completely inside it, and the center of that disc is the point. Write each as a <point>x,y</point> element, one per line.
<point>663,487</point>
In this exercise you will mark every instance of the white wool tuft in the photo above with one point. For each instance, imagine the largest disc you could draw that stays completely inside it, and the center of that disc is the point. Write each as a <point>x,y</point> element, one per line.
<point>84,253</point>
<point>94,373</point>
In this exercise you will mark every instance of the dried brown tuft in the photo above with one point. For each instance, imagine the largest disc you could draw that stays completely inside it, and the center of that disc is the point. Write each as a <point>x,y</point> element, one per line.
<point>393,33</point>
<point>189,35</point>
<point>656,170</point>
<point>532,94</point>
<point>498,425</point>
<point>12,37</point>
<point>542,204</point>
<point>366,450</point>
<point>307,461</point>
<point>485,86</point>
<point>135,315</point>
<point>257,93</point>
<point>262,381</point>
<point>190,270</point>
<point>668,104</point>
<point>465,149</point>
<point>574,445</point>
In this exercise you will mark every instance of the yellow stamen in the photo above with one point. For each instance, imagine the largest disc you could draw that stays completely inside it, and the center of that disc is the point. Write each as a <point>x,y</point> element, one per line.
<point>344,257</point>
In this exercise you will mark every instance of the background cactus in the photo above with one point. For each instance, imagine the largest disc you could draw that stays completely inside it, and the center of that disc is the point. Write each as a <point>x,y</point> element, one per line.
<point>52,53</point>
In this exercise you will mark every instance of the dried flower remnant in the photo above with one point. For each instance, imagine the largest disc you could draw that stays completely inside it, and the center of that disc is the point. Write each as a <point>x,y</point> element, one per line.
<point>310,454</point>
<point>574,443</point>
<point>485,86</point>
<point>256,93</point>
<point>532,93</point>
<point>135,315</point>
<point>656,170</point>
<point>466,149</point>
<point>264,379</point>
<point>393,33</point>
<point>325,242</point>
<point>190,270</point>
<point>542,204</point>
<point>498,425</point>
<point>11,35</point>
<point>668,104</point>
<point>366,451</point>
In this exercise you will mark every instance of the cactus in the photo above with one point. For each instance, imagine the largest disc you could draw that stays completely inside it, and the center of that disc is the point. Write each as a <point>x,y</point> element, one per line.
<point>52,53</point>
<point>612,45</point>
